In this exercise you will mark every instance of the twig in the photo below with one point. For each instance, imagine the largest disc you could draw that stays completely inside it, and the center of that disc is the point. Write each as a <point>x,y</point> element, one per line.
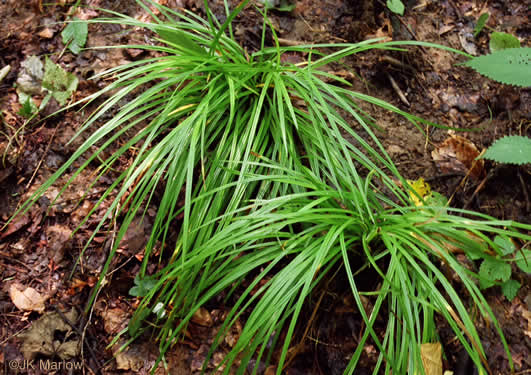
<point>14,335</point>
<point>480,186</point>
<point>462,182</point>
<point>456,9</point>
<point>526,195</point>
<point>397,90</point>
<point>290,43</point>
<point>42,158</point>
<point>83,342</point>
<point>396,62</point>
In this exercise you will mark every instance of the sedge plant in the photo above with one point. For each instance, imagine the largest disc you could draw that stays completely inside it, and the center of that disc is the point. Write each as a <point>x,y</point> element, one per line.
<point>255,148</point>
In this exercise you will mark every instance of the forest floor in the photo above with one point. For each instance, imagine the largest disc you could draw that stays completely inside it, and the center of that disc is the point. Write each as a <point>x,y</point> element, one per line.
<point>40,258</point>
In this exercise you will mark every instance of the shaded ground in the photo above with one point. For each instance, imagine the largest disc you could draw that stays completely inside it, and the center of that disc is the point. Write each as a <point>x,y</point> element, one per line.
<point>37,251</point>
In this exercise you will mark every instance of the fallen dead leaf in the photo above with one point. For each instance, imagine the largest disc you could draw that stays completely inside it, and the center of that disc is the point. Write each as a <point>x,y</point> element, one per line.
<point>46,33</point>
<point>133,358</point>
<point>58,241</point>
<point>26,299</point>
<point>458,154</point>
<point>114,320</point>
<point>202,317</point>
<point>231,338</point>
<point>39,339</point>
<point>431,358</point>
<point>19,223</point>
<point>527,315</point>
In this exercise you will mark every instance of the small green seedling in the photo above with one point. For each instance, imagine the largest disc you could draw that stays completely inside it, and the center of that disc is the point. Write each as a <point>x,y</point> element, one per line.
<point>396,6</point>
<point>75,35</point>
<point>497,270</point>
<point>482,21</point>
<point>500,41</point>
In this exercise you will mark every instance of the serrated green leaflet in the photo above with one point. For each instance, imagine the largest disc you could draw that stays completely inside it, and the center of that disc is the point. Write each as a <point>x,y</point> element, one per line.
<point>495,270</point>
<point>58,81</point>
<point>510,289</point>
<point>75,35</point>
<point>510,66</point>
<point>506,246</point>
<point>513,149</point>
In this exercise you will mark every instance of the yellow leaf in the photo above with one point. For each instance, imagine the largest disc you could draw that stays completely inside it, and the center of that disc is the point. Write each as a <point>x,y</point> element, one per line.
<point>421,188</point>
<point>431,358</point>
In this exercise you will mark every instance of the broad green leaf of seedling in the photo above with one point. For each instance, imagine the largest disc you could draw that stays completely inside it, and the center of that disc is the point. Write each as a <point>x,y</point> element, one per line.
<point>523,260</point>
<point>396,6</point>
<point>75,35</point>
<point>28,106</point>
<point>510,289</point>
<point>505,244</point>
<point>142,286</point>
<point>494,270</point>
<point>58,81</point>
<point>482,20</point>
<point>499,41</point>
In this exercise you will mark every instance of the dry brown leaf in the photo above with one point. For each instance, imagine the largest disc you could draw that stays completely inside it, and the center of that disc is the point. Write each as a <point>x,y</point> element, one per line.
<point>129,360</point>
<point>59,240</point>
<point>202,317</point>
<point>431,354</point>
<point>114,320</point>
<point>40,338</point>
<point>26,299</point>
<point>46,33</point>
<point>16,225</point>
<point>527,315</point>
<point>458,154</point>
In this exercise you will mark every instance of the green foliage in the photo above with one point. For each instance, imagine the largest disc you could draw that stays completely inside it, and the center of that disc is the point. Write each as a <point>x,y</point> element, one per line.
<point>497,270</point>
<point>59,82</point>
<point>513,149</point>
<point>510,66</point>
<point>75,35</point>
<point>482,21</point>
<point>28,106</point>
<point>396,6</point>
<point>281,6</point>
<point>492,270</point>
<point>505,245</point>
<point>510,289</point>
<point>523,260</point>
<point>142,286</point>
<point>500,41</point>
<point>251,166</point>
